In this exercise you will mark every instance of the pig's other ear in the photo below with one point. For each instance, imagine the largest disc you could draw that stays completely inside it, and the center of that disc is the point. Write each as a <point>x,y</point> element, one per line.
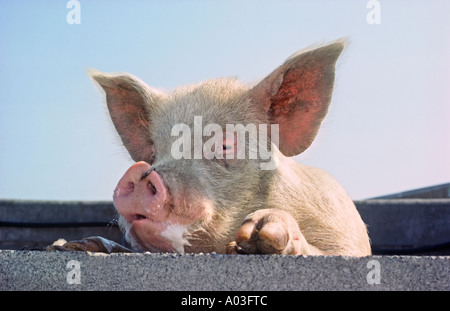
<point>297,95</point>
<point>129,101</point>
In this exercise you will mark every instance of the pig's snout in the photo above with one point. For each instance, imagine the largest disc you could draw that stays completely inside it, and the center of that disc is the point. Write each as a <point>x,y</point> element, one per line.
<point>141,194</point>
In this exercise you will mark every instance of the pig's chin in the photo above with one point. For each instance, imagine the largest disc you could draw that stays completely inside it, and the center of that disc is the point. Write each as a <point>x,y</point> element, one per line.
<point>146,235</point>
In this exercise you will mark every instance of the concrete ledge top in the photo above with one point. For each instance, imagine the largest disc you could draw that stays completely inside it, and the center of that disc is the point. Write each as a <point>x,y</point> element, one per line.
<point>34,270</point>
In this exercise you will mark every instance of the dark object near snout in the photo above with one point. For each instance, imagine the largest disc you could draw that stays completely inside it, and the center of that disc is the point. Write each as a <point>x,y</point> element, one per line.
<point>148,173</point>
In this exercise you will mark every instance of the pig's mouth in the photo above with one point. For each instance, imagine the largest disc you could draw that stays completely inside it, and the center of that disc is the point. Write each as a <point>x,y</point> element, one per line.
<point>139,217</point>
<point>145,233</point>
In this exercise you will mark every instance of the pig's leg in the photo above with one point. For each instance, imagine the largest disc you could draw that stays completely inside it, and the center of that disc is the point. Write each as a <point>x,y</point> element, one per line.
<point>91,244</point>
<point>271,231</point>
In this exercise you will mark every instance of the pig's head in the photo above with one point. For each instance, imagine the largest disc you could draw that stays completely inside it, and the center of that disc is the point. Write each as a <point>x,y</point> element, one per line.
<point>189,187</point>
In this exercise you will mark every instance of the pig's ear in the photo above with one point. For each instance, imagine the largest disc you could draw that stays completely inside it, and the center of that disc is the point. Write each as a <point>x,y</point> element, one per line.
<point>129,101</point>
<point>297,95</point>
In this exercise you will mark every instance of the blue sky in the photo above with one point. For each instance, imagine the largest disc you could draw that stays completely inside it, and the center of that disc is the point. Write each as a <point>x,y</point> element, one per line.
<point>388,128</point>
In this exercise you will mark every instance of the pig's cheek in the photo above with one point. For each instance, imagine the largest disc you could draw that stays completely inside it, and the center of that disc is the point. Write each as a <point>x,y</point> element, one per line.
<point>187,215</point>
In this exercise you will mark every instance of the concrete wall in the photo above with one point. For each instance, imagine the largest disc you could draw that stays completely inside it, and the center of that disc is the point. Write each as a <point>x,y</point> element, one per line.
<point>36,224</point>
<point>434,192</point>
<point>412,226</point>
<point>407,226</point>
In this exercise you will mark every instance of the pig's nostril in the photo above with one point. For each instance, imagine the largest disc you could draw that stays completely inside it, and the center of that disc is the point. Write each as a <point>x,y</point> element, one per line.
<point>152,188</point>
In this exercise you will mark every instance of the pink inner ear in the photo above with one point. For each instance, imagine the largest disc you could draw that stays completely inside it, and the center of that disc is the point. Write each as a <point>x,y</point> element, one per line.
<point>298,107</point>
<point>296,133</point>
<point>297,94</point>
<point>300,90</point>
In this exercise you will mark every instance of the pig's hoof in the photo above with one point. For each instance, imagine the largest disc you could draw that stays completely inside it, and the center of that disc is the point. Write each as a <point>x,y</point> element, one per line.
<point>80,246</point>
<point>268,231</point>
<point>91,244</point>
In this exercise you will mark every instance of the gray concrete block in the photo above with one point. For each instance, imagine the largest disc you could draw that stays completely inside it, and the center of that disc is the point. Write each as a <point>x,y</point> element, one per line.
<point>395,226</point>
<point>56,211</point>
<point>36,224</point>
<point>407,223</point>
<point>32,270</point>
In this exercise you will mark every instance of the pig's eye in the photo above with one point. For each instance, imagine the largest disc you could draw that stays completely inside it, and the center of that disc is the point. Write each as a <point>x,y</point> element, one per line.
<point>228,147</point>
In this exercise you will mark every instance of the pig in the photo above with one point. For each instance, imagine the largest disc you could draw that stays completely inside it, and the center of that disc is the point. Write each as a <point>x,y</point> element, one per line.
<point>224,203</point>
